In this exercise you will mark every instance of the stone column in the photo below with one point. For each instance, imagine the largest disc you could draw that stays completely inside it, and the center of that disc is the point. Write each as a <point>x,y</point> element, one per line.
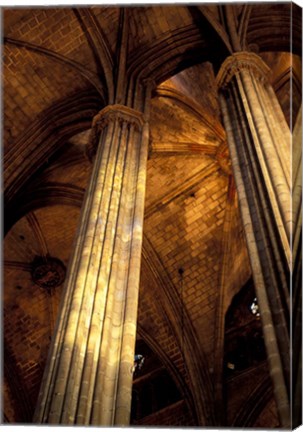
<point>259,144</point>
<point>88,377</point>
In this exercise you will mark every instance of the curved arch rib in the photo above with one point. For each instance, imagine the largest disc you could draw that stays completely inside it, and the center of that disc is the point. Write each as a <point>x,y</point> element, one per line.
<point>201,386</point>
<point>38,233</point>
<point>194,108</point>
<point>44,137</point>
<point>215,24</point>
<point>100,46</point>
<point>90,76</point>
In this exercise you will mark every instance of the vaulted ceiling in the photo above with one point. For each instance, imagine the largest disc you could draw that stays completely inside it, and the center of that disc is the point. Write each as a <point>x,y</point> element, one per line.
<point>54,84</point>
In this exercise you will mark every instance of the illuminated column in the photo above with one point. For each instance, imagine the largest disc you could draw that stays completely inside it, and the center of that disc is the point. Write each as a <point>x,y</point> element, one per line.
<point>259,144</point>
<point>88,377</point>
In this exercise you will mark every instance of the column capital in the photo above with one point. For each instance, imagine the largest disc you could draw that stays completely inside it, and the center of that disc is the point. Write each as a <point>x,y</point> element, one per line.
<point>238,62</point>
<point>110,113</point>
<point>118,112</point>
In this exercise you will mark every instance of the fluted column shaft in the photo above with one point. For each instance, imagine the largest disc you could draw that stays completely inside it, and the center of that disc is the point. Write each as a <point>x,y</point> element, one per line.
<point>259,144</point>
<point>88,376</point>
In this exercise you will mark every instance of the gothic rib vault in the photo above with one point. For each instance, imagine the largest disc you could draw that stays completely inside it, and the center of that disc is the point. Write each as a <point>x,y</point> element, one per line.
<point>62,67</point>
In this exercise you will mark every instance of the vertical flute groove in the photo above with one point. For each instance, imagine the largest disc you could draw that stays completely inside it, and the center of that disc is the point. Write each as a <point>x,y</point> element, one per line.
<point>83,371</point>
<point>268,328</point>
<point>261,170</point>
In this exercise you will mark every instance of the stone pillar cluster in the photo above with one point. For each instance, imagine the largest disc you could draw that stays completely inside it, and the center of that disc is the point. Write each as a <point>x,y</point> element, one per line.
<point>259,144</point>
<point>88,377</point>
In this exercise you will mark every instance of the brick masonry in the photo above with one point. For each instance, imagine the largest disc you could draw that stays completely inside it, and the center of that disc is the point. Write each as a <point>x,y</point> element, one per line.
<point>186,194</point>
